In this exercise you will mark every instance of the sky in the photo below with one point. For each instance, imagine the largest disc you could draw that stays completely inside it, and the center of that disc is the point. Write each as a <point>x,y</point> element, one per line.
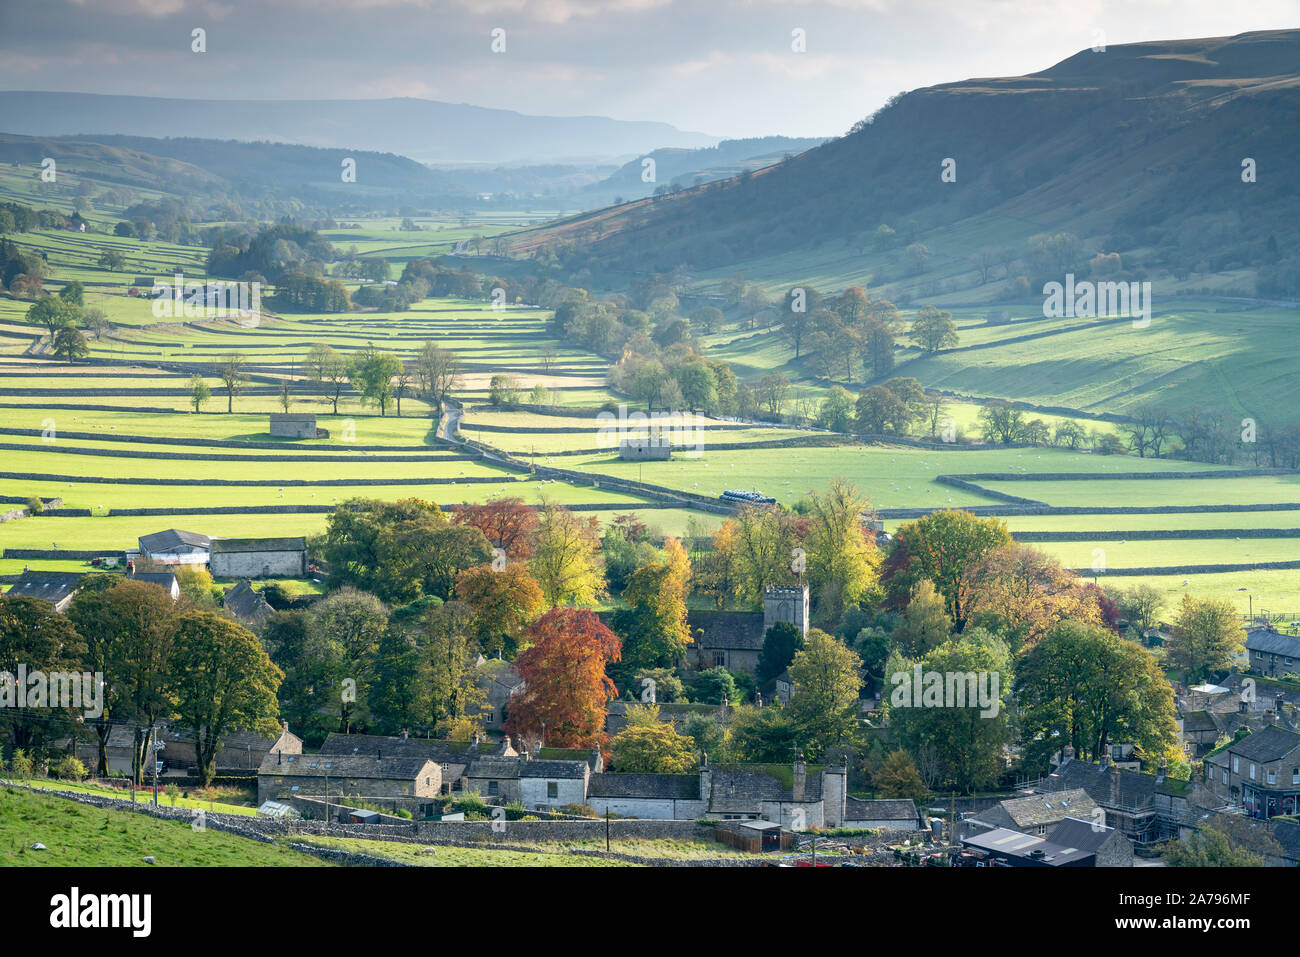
<point>722,67</point>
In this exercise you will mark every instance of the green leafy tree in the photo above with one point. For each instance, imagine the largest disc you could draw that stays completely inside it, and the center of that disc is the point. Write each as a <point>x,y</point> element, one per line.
<point>827,679</point>
<point>199,391</point>
<point>1085,686</point>
<point>1207,637</point>
<point>224,682</point>
<point>898,777</point>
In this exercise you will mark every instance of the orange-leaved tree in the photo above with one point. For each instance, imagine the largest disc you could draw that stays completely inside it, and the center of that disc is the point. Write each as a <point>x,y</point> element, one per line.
<point>565,685</point>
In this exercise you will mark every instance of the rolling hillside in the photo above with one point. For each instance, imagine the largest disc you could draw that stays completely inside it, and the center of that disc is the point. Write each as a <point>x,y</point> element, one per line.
<point>1138,150</point>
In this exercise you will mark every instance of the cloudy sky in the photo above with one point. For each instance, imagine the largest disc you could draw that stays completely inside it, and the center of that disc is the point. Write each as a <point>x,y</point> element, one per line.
<point>724,67</point>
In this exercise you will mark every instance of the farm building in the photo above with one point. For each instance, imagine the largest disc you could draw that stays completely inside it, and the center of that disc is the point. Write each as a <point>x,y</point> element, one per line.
<point>259,557</point>
<point>240,750</point>
<point>55,587</point>
<point>283,775</point>
<point>164,580</point>
<point>296,425</point>
<point>1017,849</point>
<point>754,836</point>
<point>247,605</point>
<point>653,449</point>
<point>895,814</point>
<point>175,547</point>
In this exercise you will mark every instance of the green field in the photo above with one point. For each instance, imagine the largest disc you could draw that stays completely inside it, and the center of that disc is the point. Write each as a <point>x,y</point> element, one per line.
<point>445,856</point>
<point>93,453</point>
<point>78,835</point>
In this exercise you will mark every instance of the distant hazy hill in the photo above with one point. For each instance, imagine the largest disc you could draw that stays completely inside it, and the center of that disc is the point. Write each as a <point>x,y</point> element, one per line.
<point>216,168</point>
<point>424,130</point>
<point>682,166</point>
<point>1138,148</point>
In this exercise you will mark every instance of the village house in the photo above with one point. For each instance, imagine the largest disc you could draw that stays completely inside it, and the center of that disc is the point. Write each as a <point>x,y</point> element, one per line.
<point>729,793</point>
<point>247,605</point>
<point>1012,848</point>
<point>1146,808</point>
<point>343,776</point>
<point>58,588</point>
<point>500,682</point>
<point>733,639</point>
<point>259,557</point>
<point>1271,653</point>
<point>239,751</point>
<point>175,547</point>
<point>1035,813</point>
<point>164,580</point>
<point>548,785</point>
<point>1260,772</point>
<point>1198,731</point>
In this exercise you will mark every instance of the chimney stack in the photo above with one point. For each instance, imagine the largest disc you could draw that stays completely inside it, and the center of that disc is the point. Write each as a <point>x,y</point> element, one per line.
<point>800,776</point>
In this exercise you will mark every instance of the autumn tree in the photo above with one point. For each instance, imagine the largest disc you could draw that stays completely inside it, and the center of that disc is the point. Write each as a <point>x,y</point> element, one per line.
<point>945,547</point>
<point>964,737</point>
<point>925,625</point>
<point>447,636</point>
<point>933,329</point>
<point>34,635</point>
<point>564,559</point>
<point>506,522</point>
<point>898,777</point>
<point>1207,637</point>
<point>1026,592</point>
<point>223,682</point>
<point>565,685</point>
<point>648,745</point>
<point>653,626</point>
<point>842,564</point>
<point>346,627</point>
<point>826,675</point>
<point>504,602</point>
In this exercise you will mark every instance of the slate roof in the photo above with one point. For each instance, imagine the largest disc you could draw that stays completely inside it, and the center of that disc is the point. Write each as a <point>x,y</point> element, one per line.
<point>165,579</point>
<point>1287,833</point>
<point>245,603</point>
<point>682,787</point>
<point>225,545</point>
<point>1271,643</point>
<point>1039,809</point>
<point>1135,790</point>
<point>172,540</point>
<point>1073,832</point>
<point>54,587</point>
<point>553,769</point>
<point>737,789</point>
<point>492,766</point>
<point>342,765</point>
<point>729,630</point>
<point>1008,843</point>
<point>1196,721</point>
<point>1269,744</point>
<point>883,809</point>
<point>431,749</point>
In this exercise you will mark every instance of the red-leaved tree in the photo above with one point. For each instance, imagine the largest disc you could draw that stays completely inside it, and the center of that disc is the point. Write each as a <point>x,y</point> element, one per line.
<point>565,685</point>
<point>506,522</point>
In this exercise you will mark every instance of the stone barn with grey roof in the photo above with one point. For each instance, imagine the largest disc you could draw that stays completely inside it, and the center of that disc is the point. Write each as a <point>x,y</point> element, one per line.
<point>308,775</point>
<point>259,557</point>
